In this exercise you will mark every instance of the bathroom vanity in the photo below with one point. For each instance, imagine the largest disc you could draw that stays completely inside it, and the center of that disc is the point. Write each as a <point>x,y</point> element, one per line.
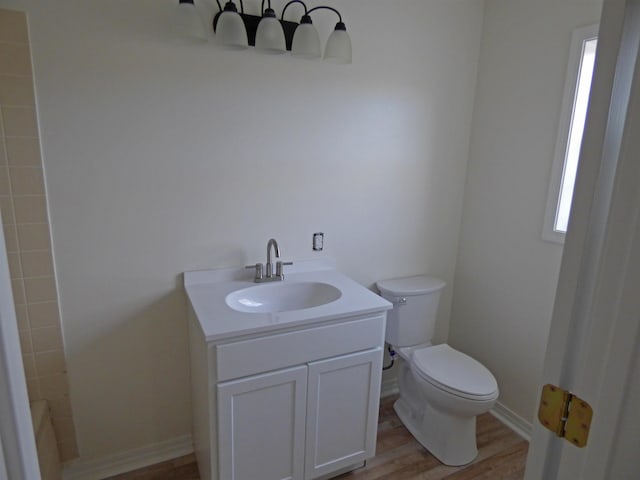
<point>285,376</point>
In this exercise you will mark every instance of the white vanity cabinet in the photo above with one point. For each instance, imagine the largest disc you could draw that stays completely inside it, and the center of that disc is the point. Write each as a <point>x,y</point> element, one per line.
<point>299,403</point>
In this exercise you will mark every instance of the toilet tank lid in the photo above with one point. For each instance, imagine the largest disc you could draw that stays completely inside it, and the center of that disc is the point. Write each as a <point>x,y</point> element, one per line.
<point>407,286</point>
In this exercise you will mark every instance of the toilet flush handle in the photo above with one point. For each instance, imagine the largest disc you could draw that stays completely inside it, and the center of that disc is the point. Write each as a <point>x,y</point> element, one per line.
<point>400,301</point>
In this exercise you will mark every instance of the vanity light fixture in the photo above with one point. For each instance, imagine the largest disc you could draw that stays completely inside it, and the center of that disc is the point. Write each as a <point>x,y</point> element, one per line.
<point>231,31</point>
<point>238,30</point>
<point>270,34</point>
<point>187,23</point>
<point>306,42</point>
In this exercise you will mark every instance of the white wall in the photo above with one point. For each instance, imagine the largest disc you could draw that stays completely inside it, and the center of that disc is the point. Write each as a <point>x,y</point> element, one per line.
<point>161,159</point>
<point>506,274</point>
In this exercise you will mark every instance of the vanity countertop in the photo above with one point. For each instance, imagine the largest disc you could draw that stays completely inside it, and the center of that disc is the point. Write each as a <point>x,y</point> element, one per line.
<point>207,291</point>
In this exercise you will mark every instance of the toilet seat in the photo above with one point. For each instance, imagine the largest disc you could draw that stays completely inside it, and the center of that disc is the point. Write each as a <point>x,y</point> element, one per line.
<point>454,372</point>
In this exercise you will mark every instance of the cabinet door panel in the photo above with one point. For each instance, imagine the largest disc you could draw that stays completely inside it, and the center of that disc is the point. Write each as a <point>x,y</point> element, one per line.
<point>342,411</point>
<point>261,426</point>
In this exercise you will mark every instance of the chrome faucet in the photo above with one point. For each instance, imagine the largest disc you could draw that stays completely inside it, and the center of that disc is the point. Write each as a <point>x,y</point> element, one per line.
<point>269,276</point>
<point>271,243</point>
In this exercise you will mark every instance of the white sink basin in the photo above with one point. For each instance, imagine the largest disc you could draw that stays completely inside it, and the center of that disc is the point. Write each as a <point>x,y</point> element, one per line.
<point>228,304</point>
<point>282,297</point>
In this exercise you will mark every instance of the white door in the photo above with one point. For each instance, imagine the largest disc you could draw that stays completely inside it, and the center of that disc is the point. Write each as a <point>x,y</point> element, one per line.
<point>18,458</point>
<point>342,411</point>
<point>594,343</point>
<point>3,467</point>
<point>261,426</point>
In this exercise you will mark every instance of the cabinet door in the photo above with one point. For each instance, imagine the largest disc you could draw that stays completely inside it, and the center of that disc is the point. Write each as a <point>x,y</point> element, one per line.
<point>261,426</point>
<point>342,411</point>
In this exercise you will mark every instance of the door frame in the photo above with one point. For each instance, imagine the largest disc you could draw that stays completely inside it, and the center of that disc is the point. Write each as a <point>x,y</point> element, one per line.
<point>593,339</point>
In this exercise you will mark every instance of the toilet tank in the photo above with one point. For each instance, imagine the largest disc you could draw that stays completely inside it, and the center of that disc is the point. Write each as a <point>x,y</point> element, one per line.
<point>415,301</point>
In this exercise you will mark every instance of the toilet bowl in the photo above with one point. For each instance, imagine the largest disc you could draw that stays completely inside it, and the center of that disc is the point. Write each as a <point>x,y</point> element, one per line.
<point>441,389</point>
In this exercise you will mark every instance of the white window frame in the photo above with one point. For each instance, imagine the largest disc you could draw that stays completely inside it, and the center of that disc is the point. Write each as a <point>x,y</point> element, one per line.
<point>578,39</point>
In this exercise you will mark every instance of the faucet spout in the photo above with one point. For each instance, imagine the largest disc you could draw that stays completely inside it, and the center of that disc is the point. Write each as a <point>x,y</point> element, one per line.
<point>269,266</point>
<point>272,243</point>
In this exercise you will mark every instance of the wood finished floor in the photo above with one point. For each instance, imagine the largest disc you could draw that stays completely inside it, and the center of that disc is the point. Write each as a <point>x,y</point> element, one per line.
<point>502,456</point>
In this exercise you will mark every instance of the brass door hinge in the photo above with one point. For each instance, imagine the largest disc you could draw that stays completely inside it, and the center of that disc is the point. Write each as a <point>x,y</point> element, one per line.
<point>565,414</point>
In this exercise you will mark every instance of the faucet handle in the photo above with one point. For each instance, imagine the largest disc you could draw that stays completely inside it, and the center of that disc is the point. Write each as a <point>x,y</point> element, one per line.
<point>258,268</point>
<point>279,266</point>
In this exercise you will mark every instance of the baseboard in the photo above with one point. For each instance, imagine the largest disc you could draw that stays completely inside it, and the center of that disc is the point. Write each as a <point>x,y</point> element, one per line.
<point>118,463</point>
<point>512,420</point>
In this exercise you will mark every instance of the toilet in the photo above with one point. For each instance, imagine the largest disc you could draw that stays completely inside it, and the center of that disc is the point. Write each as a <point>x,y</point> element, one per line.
<point>442,390</point>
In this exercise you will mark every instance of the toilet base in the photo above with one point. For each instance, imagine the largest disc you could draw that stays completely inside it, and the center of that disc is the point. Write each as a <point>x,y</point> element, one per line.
<point>452,440</point>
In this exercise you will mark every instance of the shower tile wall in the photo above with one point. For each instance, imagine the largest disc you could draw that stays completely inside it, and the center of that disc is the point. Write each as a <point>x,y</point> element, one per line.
<point>23,203</point>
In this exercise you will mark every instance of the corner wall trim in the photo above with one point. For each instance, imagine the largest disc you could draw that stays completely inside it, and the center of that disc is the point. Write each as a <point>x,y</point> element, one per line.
<point>389,387</point>
<point>512,420</point>
<point>118,463</point>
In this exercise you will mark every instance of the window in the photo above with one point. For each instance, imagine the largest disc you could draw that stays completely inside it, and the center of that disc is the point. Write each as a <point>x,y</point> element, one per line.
<point>572,119</point>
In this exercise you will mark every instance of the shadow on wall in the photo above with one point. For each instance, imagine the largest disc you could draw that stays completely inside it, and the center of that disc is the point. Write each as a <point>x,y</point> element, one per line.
<point>134,380</point>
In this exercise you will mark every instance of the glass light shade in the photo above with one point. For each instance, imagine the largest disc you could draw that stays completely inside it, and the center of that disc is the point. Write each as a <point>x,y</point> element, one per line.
<point>306,42</point>
<point>231,32</point>
<point>188,26</point>
<point>270,35</point>
<point>338,49</point>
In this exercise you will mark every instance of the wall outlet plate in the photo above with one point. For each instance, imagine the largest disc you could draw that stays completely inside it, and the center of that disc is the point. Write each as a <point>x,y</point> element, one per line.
<point>318,241</point>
